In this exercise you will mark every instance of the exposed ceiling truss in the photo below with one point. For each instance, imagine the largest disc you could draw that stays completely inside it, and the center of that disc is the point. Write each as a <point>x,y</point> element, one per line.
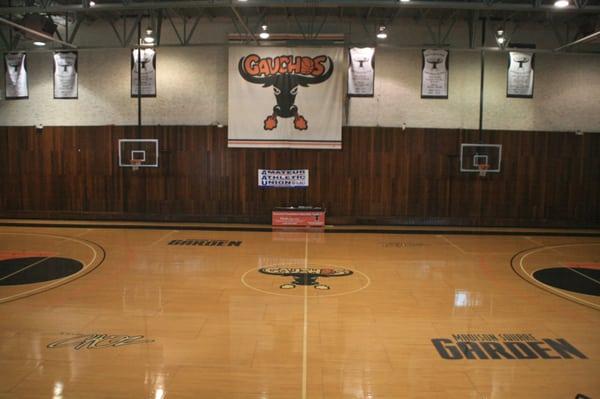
<point>306,21</point>
<point>62,6</point>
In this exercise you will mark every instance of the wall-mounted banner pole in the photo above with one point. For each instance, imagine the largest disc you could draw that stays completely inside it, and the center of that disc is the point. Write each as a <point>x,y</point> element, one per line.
<point>483,29</point>
<point>139,76</point>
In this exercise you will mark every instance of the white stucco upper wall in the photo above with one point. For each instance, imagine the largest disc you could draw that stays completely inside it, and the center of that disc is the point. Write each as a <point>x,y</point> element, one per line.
<point>566,95</point>
<point>397,99</point>
<point>192,90</point>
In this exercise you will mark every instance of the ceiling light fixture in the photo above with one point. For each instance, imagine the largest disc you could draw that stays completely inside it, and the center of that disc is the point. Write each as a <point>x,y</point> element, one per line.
<point>404,1</point>
<point>38,43</point>
<point>264,34</point>
<point>561,3</point>
<point>500,38</point>
<point>382,32</point>
<point>92,3</point>
<point>149,39</point>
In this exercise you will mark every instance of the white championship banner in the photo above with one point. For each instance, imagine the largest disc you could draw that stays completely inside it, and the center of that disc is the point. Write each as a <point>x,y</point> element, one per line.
<point>65,75</point>
<point>283,178</point>
<point>148,72</point>
<point>520,74</point>
<point>15,76</point>
<point>434,77</point>
<point>361,72</point>
<point>285,97</point>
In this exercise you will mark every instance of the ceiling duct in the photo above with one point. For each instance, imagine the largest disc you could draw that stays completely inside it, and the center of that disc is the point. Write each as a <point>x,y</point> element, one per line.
<point>39,23</point>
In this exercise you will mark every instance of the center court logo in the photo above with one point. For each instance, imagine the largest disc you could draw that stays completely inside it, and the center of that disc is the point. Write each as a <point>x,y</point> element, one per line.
<point>305,276</point>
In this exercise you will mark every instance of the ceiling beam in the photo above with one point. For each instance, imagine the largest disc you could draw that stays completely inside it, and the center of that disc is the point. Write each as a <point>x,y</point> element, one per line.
<point>313,43</point>
<point>244,24</point>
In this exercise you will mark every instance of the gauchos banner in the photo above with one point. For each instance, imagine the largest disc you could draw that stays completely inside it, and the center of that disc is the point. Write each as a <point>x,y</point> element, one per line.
<point>361,73</point>
<point>285,97</point>
<point>434,78</point>
<point>520,74</point>
<point>15,76</point>
<point>147,66</point>
<point>65,75</point>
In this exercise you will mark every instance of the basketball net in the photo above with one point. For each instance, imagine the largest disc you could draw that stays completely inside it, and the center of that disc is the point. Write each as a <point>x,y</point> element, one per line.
<point>483,168</point>
<point>136,164</point>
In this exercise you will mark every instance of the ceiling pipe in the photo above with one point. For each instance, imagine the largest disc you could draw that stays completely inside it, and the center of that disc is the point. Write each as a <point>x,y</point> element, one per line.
<point>579,41</point>
<point>35,32</point>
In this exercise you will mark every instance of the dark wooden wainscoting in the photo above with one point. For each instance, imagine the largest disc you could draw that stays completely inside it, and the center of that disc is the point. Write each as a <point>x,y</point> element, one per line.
<point>382,176</point>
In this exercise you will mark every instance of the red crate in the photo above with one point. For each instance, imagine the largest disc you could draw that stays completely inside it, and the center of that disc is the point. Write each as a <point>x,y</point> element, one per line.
<point>298,218</point>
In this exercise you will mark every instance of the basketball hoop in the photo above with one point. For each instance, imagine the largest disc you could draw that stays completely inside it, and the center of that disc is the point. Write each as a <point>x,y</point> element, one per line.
<point>483,168</point>
<point>135,164</point>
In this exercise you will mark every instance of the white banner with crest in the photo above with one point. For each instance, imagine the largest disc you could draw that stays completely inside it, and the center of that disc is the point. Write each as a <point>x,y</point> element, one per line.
<point>434,77</point>
<point>15,76</point>
<point>285,97</point>
<point>148,72</point>
<point>520,74</point>
<point>361,72</point>
<point>65,75</point>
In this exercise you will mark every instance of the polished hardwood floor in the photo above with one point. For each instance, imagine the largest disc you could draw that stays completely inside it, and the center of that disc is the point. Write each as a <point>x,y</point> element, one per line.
<point>91,311</point>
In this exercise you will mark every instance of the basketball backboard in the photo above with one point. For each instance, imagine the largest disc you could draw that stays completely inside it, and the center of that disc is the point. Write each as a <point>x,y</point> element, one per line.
<point>138,153</point>
<point>475,157</point>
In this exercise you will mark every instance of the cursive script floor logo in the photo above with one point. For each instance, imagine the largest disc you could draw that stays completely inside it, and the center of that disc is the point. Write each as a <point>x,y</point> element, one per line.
<point>98,341</point>
<point>206,243</point>
<point>402,244</point>
<point>305,276</point>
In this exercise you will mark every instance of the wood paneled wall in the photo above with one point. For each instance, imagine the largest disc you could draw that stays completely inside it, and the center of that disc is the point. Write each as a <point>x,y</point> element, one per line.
<point>382,175</point>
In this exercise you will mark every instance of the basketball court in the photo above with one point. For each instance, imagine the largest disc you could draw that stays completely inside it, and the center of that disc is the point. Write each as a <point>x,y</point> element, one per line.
<point>300,199</point>
<point>225,311</point>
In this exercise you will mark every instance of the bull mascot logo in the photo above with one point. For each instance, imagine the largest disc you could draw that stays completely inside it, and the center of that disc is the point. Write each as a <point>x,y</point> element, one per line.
<point>305,276</point>
<point>285,74</point>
